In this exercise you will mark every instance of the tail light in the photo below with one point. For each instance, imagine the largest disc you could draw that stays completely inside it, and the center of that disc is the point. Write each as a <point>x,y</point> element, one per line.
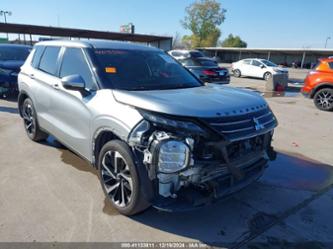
<point>209,72</point>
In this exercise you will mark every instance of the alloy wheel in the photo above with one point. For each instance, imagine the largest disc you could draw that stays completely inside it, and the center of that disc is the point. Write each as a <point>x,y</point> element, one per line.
<point>29,120</point>
<point>325,100</point>
<point>116,178</point>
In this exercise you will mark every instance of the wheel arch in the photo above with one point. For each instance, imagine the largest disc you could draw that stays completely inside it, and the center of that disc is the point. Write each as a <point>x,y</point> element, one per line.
<point>319,87</point>
<point>23,95</point>
<point>101,137</point>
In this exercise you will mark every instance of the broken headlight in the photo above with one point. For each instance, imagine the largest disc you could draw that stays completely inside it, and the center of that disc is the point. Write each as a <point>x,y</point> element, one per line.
<point>173,156</point>
<point>167,153</point>
<point>135,136</point>
<point>168,122</point>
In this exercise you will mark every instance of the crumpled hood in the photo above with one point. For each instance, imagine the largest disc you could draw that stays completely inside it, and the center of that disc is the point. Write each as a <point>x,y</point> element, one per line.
<point>206,101</point>
<point>12,65</point>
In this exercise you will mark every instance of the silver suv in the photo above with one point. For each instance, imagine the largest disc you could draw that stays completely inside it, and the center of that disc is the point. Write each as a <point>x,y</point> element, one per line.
<point>154,132</point>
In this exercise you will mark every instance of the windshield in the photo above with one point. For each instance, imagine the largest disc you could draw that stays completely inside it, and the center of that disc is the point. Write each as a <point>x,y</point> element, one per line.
<point>142,70</point>
<point>13,53</point>
<point>268,63</point>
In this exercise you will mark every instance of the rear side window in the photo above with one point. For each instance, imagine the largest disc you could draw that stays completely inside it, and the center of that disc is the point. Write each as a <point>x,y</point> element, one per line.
<point>37,55</point>
<point>248,62</point>
<point>175,53</point>
<point>74,62</point>
<point>48,62</point>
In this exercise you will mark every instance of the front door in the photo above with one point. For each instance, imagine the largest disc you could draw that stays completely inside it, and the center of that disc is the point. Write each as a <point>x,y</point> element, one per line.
<point>257,69</point>
<point>71,115</point>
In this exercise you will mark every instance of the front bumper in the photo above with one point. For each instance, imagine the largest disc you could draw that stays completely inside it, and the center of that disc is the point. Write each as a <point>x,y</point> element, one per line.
<point>192,198</point>
<point>307,92</point>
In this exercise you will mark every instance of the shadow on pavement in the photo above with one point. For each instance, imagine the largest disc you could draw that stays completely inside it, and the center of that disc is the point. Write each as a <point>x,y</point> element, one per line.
<point>8,109</point>
<point>289,181</point>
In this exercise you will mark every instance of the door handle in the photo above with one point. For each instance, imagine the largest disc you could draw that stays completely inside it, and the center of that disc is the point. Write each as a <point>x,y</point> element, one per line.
<point>32,76</point>
<point>56,86</point>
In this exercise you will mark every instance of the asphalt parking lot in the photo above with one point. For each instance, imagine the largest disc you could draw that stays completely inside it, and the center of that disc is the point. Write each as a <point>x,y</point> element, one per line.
<point>49,194</point>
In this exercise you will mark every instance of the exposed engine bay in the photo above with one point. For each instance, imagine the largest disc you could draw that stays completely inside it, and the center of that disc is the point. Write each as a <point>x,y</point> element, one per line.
<point>178,160</point>
<point>210,161</point>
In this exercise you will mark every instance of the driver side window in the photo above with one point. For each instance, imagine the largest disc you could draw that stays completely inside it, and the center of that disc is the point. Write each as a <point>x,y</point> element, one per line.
<point>74,62</point>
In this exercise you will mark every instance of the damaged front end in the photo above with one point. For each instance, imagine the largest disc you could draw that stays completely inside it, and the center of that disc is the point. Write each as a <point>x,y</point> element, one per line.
<point>192,162</point>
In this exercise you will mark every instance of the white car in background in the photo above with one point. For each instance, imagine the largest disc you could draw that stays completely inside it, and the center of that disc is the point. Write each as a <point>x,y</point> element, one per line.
<point>180,54</point>
<point>259,68</point>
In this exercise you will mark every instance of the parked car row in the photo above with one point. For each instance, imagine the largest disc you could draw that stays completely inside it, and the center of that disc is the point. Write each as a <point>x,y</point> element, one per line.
<point>208,70</point>
<point>204,68</point>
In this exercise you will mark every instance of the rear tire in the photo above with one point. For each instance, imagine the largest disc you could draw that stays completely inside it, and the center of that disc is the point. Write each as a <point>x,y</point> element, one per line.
<point>30,121</point>
<point>323,99</point>
<point>237,73</point>
<point>267,76</point>
<point>119,178</point>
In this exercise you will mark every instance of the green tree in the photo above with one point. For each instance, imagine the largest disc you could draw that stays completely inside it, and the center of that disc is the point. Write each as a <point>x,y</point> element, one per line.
<point>203,18</point>
<point>233,41</point>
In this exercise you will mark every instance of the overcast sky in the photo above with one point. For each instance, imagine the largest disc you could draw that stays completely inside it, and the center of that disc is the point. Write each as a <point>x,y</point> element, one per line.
<point>261,23</point>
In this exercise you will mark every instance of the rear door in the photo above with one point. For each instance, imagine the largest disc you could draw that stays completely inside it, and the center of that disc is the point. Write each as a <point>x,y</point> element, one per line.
<point>44,77</point>
<point>245,67</point>
<point>72,117</point>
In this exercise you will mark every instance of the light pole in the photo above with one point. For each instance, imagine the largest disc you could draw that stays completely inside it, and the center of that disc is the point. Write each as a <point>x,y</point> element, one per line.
<point>5,13</point>
<point>328,37</point>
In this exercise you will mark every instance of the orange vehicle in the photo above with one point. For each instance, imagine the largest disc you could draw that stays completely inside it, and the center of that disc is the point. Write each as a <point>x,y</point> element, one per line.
<point>318,85</point>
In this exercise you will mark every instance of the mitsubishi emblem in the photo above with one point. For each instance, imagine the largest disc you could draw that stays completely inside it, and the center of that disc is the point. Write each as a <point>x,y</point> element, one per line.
<point>257,125</point>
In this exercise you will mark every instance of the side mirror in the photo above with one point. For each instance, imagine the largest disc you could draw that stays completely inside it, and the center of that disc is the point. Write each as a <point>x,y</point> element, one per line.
<point>262,66</point>
<point>74,82</point>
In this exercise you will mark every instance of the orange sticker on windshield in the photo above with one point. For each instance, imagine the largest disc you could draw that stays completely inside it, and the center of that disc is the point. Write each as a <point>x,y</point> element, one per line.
<point>110,70</point>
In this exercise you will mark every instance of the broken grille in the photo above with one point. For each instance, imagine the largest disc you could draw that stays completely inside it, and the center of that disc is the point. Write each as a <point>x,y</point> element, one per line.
<point>242,126</point>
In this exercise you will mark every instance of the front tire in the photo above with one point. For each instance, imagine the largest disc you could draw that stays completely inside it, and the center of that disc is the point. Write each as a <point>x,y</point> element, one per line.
<point>237,73</point>
<point>323,99</point>
<point>30,122</point>
<point>267,76</point>
<point>119,178</point>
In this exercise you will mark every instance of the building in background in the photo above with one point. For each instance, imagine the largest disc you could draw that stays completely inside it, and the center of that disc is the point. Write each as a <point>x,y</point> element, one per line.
<point>127,28</point>
<point>25,33</point>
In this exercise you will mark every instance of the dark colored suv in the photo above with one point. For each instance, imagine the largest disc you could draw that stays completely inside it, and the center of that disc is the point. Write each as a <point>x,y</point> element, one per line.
<point>12,57</point>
